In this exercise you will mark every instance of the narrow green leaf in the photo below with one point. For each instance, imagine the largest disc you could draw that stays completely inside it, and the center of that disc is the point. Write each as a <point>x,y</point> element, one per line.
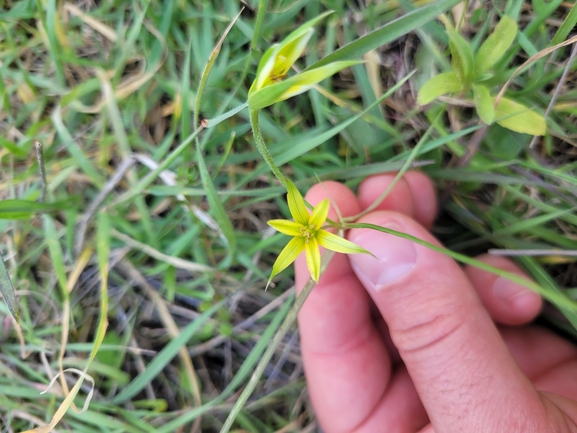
<point>215,204</point>
<point>305,28</point>
<point>516,117</point>
<point>439,85</point>
<point>30,208</point>
<point>484,104</point>
<point>496,45</point>
<point>387,33</point>
<point>7,290</point>
<point>557,298</point>
<point>11,147</point>
<point>462,56</point>
<point>566,27</point>
<point>56,254</point>
<point>260,15</point>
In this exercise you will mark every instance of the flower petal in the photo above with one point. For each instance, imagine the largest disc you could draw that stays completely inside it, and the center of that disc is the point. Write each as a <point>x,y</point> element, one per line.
<point>336,243</point>
<point>288,255</point>
<point>290,52</point>
<point>313,256</point>
<point>295,85</point>
<point>265,67</point>
<point>286,227</point>
<point>296,204</point>
<point>319,215</point>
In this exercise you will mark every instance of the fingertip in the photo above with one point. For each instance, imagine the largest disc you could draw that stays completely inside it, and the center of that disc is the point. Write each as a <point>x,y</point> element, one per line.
<point>339,195</point>
<point>399,198</point>
<point>413,195</point>
<point>507,302</point>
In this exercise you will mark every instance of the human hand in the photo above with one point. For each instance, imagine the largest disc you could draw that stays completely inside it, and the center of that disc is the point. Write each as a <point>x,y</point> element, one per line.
<point>413,342</point>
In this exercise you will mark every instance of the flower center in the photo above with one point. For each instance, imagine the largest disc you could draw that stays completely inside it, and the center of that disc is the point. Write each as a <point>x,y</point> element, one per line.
<point>308,232</point>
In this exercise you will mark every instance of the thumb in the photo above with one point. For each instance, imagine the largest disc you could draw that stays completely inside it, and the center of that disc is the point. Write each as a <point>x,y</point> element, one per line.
<point>461,368</point>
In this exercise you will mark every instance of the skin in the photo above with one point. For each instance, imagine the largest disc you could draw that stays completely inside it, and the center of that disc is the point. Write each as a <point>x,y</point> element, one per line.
<point>439,348</point>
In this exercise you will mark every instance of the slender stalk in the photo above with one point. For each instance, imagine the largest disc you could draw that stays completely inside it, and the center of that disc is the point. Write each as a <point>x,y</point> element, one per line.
<point>261,146</point>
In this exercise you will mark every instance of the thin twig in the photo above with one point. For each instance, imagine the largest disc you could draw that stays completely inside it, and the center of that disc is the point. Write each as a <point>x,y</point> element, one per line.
<point>87,216</point>
<point>471,150</point>
<point>533,253</point>
<point>555,95</point>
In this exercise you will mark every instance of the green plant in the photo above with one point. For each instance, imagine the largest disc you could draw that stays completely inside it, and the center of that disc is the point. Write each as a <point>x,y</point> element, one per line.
<point>470,77</point>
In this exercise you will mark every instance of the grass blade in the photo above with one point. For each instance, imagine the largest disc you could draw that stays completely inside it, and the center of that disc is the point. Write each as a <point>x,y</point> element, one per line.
<point>389,32</point>
<point>7,291</point>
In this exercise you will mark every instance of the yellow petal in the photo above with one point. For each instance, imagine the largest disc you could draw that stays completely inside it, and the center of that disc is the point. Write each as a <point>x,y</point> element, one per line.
<point>265,66</point>
<point>336,243</point>
<point>287,256</point>
<point>313,256</point>
<point>319,215</point>
<point>286,227</point>
<point>296,204</point>
<point>290,52</point>
<point>295,85</point>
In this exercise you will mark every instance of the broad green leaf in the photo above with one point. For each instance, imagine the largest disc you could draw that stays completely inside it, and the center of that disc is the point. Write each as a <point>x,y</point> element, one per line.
<point>516,117</point>
<point>23,209</point>
<point>462,56</point>
<point>496,45</point>
<point>484,104</point>
<point>295,85</point>
<point>439,85</point>
<point>387,33</point>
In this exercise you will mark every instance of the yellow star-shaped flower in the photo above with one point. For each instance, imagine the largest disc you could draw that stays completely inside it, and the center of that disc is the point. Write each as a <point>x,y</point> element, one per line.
<point>308,234</point>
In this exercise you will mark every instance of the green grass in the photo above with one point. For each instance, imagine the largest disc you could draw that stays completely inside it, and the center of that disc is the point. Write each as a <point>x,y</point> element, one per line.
<point>148,271</point>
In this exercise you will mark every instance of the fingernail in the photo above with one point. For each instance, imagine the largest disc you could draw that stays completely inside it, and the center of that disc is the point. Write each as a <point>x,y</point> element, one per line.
<point>395,257</point>
<point>507,290</point>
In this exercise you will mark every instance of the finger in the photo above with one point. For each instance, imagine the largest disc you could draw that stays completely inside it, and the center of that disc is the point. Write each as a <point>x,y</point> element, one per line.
<point>507,302</point>
<point>537,350</point>
<point>400,410</point>
<point>459,364</point>
<point>413,195</point>
<point>561,380</point>
<point>346,364</point>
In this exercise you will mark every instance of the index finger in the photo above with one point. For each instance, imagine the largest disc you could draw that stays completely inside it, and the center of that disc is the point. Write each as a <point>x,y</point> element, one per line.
<point>346,362</point>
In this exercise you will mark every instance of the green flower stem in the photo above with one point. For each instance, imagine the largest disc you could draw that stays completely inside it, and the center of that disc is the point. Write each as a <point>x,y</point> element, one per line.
<point>261,146</point>
<point>556,298</point>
